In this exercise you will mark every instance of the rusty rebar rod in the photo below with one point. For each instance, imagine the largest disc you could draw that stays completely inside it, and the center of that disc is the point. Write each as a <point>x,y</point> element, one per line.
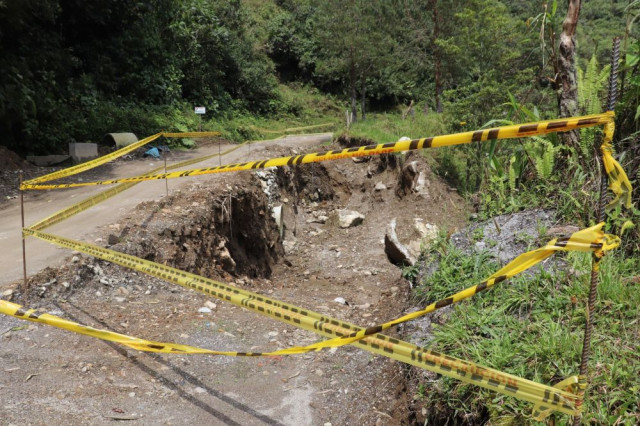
<point>24,249</point>
<point>596,258</point>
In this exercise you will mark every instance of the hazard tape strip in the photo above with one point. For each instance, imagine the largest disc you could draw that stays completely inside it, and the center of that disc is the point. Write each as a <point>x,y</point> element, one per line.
<point>506,132</point>
<point>93,163</point>
<point>590,240</point>
<point>618,181</point>
<point>111,192</point>
<point>20,312</point>
<point>292,129</point>
<point>114,155</point>
<point>524,389</point>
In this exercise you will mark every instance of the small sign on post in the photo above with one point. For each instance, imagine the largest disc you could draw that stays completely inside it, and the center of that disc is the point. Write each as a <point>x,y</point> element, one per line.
<point>200,111</point>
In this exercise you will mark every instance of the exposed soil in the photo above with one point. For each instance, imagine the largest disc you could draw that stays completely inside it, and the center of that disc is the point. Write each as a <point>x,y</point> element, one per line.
<point>223,228</point>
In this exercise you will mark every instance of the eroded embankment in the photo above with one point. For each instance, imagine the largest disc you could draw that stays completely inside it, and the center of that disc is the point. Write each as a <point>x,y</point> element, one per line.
<point>277,232</point>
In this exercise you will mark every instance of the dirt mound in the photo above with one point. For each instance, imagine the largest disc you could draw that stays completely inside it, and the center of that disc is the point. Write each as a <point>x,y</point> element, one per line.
<point>10,161</point>
<point>207,233</point>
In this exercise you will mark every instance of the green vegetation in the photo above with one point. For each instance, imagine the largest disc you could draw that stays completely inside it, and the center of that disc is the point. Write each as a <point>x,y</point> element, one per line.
<point>532,326</point>
<point>75,70</point>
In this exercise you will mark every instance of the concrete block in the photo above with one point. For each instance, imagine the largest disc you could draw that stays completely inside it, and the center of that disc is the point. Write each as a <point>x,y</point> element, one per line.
<point>47,160</point>
<point>81,152</point>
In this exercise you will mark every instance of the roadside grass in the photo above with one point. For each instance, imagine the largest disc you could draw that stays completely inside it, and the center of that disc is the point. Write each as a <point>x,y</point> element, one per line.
<point>299,109</point>
<point>389,127</point>
<point>532,326</point>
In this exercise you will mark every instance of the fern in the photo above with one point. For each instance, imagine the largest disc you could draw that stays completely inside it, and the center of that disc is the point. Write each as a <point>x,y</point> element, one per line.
<point>591,87</point>
<point>543,154</point>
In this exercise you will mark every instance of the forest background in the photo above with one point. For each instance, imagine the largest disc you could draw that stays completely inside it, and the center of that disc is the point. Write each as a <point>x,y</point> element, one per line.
<point>73,71</point>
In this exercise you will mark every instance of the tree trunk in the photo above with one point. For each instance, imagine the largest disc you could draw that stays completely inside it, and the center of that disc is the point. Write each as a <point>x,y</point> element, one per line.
<point>567,76</point>
<point>364,99</point>
<point>436,55</point>
<point>352,83</point>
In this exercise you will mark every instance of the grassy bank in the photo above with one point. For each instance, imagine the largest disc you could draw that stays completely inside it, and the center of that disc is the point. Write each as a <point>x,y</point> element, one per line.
<point>533,327</point>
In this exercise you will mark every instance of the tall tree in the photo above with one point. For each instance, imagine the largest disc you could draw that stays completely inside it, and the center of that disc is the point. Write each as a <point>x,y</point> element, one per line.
<point>353,44</point>
<point>567,75</point>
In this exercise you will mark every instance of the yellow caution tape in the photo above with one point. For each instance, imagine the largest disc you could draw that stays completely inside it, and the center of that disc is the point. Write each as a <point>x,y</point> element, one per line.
<point>618,180</point>
<point>190,134</point>
<point>506,132</point>
<point>590,239</point>
<point>570,384</point>
<point>93,163</point>
<point>20,312</point>
<point>465,371</point>
<point>563,397</point>
<point>292,129</point>
<point>114,155</point>
<point>105,195</point>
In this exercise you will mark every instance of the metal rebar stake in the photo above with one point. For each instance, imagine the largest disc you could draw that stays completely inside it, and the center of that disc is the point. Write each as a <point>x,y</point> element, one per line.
<point>24,249</point>
<point>595,262</point>
<point>166,182</point>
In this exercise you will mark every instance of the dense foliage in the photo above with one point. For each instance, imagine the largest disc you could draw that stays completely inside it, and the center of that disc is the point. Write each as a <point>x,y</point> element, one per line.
<point>70,70</point>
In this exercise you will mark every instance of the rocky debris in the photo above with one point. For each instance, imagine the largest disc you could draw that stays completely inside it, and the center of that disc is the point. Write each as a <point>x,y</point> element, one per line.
<point>380,187</point>
<point>397,253</point>
<point>228,264</point>
<point>408,179</point>
<point>561,231</point>
<point>268,181</point>
<point>276,213</point>
<point>425,235</point>
<point>318,216</point>
<point>347,218</point>
<point>112,239</point>
<point>506,236</point>
<point>341,300</point>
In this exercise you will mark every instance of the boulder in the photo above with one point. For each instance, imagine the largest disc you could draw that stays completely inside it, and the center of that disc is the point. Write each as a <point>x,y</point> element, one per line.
<point>348,218</point>
<point>397,253</point>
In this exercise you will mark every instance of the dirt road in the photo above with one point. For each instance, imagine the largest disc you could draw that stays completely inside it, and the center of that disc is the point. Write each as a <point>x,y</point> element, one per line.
<point>50,376</point>
<point>83,226</point>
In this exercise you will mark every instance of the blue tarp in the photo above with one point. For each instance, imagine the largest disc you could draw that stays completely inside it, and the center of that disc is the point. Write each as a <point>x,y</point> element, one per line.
<point>153,152</point>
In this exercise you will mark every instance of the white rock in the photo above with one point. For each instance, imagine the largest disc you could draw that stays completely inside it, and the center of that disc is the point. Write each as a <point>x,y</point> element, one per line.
<point>204,310</point>
<point>341,301</point>
<point>395,250</point>
<point>75,259</point>
<point>120,299</point>
<point>380,187</point>
<point>349,218</point>
<point>209,304</point>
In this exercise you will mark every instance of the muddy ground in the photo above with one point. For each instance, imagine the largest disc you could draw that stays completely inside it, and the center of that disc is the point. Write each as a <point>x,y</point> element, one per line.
<point>223,228</point>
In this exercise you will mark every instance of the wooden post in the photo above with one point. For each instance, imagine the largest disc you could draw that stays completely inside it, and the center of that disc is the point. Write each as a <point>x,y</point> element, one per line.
<point>24,250</point>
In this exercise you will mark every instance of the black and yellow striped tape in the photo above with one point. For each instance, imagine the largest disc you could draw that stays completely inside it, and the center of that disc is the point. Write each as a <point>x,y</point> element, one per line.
<point>590,239</point>
<point>114,155</point>
<point>93,200</point>
<point>379,343</point>
<point>506,132</point>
